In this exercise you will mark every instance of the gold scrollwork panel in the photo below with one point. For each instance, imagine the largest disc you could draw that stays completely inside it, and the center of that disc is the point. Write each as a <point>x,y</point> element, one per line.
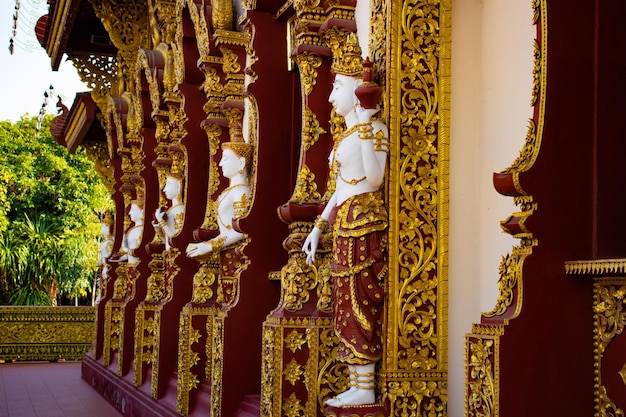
<point>415,371</point>
<point>46,333</point>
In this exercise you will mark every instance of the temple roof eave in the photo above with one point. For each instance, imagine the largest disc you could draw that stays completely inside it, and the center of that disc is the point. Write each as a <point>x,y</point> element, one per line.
<point>79,124</point>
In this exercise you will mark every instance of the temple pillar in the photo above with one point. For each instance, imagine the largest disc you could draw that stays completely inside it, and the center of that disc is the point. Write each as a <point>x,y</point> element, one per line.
<point>299,371</point>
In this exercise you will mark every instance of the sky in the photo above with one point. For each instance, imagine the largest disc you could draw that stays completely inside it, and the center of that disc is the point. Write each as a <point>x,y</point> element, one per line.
<point>26,75</point>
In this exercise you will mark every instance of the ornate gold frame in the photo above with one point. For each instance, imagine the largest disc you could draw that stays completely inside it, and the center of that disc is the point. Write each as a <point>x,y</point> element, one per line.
<point>418,88</point>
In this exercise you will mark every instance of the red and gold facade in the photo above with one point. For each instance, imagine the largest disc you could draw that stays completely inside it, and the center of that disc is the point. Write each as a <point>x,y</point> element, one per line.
<point>248,330</point>
<point>251,325</point>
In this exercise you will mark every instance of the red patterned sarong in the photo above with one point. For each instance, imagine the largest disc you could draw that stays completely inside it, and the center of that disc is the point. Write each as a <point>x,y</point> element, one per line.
<point>358,268</point>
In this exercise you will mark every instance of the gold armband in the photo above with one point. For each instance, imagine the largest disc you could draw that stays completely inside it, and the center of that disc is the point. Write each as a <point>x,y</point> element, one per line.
<point>365,130</point>
<point>321,223</point>
<point>381,143</point>
<point>217,244</point>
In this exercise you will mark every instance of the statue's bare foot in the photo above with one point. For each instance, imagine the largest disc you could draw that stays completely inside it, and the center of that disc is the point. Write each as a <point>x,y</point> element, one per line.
<point>334,401</point>
<point>356,397</point>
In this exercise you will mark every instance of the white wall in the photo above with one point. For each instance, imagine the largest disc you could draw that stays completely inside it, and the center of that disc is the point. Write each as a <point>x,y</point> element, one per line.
<point>492,62</point>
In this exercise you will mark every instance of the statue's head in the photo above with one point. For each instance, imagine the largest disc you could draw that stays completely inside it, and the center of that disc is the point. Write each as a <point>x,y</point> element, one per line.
<point>106,221</point>
<point>173,187</point>
<point>135,212</point>
<point>235,155</point>
<point>347,68</point>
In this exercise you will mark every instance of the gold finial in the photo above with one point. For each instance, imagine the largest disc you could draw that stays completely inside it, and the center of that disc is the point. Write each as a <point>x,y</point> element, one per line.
<point>177,169</point>
<point>348,60</point>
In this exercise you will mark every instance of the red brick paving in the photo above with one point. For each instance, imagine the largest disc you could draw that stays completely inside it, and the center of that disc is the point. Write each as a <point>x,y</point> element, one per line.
<point>46,389</point>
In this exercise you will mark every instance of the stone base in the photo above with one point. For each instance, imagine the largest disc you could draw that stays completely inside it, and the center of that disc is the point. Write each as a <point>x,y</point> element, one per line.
<point>368,410</point>
<point>127,399</point>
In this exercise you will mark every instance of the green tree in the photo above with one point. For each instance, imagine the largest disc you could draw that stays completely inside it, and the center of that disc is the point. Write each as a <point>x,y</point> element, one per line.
<point>48,225</point>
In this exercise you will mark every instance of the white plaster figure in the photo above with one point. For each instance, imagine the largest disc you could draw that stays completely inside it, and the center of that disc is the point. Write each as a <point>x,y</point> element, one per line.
<point>358,162</point>
<point>134,234</point>
<point>233,164</point>
<point>170,222</point>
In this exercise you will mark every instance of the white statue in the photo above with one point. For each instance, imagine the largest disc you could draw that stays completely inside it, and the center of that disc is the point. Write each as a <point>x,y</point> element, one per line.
<point>359,221</point>
<point>134,234</point>
<point>105,249</point>
<point>170,222</point>
<point>232,201</point>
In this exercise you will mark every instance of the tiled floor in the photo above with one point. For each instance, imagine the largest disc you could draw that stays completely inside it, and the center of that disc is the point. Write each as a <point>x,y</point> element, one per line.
<point>44,389</point>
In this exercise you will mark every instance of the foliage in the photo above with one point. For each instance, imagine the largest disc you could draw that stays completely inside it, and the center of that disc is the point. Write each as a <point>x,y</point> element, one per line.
<point>48,225</point>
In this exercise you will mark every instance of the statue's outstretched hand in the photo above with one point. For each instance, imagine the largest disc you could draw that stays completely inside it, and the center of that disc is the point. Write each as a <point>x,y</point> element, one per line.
<point>310,245</point>
<point>195,250</point>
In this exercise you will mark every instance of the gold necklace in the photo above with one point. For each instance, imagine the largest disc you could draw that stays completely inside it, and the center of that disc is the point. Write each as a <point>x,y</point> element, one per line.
<point>335,164</point>
<point>353,181</point>
<point>350,131</point>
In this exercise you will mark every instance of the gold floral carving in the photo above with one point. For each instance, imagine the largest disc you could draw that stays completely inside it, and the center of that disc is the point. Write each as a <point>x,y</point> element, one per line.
<point>99,73</point>
<point>156,280</point>
<point>145,341</point>
<point>293,372</point>
<point>166,13</point>
<point>307,67</point>
<point>294,341</point>
<point>156,336</point>
<point>311,129</point>
<point>230,63</point>
<point>415,368</point>
<point>112,330</point>
<point>45,333</point>
<point>177,117</point>
<point>187,358</point>
<point>271,360</point>
<point>122,283</point>
<point>126,22</point>
<point>324,286</point>
<point>605,406</point>
<point>216,361</point>
<point>536,74</point>
<point>214,91</point>
<point>305,190</point>
<point>204,279</point>
<point>201,28</point>
<point>213,132</point>
<point>292,406</point>
<point>171,271</point>
<point>332,376</point>
<point>315,373</point>
<point>481,390</point>
<point>422,188</point>
<point>306,5</point>
<point>378,39</point>
<point>609,304</point>
<point>298,280</point>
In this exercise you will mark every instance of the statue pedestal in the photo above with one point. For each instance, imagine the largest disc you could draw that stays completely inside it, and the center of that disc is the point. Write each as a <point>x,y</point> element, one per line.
<point>368,410</point>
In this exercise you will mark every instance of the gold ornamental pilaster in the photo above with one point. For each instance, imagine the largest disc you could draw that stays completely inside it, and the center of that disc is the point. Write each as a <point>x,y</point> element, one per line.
<point>414,373</point>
